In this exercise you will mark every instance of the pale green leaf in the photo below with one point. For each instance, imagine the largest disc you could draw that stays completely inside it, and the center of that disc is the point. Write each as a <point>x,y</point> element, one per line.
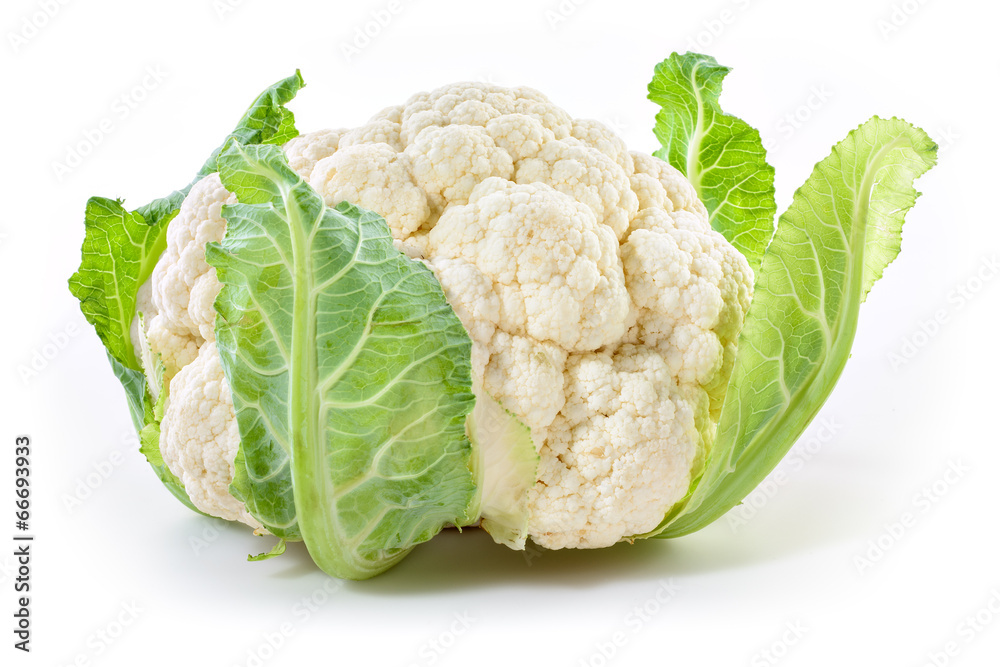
<point>842,229</point>
<point>506,470</point>
<point>721,155</point>
<point>276,550</point>
<point>120,250</point>
<point>350,373</point>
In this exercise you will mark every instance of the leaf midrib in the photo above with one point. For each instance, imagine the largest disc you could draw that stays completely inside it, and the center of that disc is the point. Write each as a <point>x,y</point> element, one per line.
<point>694,147</point>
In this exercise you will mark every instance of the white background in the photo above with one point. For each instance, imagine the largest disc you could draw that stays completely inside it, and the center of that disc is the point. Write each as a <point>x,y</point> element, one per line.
<point>894,429</point>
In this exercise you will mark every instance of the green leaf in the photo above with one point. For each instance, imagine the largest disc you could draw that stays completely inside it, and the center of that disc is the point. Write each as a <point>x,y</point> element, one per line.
<point>143,412</point>
<point>842,229</point>
<point>120,250</point>
<point>506,470</point>
<point>277,550</point>
<point>349,371</point>
<point>720,155</point>
<point>267,121</point>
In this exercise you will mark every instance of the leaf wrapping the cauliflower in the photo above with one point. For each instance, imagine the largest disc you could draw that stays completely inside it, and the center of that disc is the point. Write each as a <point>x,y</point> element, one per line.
<point>120,250</point>
<point>842,229</point>
<point>266,121</point>
<point>349,371</point>
<point>149,435</point>
<point>506,469</point>
<point>721,155</point>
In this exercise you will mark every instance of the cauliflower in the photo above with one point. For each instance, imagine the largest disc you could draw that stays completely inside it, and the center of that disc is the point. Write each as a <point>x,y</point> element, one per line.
<point>476,309</point>
<point>603,308</point>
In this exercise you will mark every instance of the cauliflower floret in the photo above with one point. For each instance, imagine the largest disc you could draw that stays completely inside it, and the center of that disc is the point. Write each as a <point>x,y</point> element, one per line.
<point>676,188</point>
<point>521,136</point>
<point>598,135</point>
<point>448,162</point>
<point>588,176</point>
<point>617,456</point>
<point>471,295</point>
<point>476,104</point>
<point>184,286</point>
<point>554,268</point>
<point>526,377</point>
<point>692,290</point>
<point>383,128</point>
<point>305,150</point>
<point>376,177</point>
<point>199,437</point>
<point>552,118</point>
<point>603,309</point>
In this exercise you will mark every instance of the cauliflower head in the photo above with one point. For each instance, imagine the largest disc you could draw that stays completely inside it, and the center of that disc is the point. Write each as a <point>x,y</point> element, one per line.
<point>603,309</point>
